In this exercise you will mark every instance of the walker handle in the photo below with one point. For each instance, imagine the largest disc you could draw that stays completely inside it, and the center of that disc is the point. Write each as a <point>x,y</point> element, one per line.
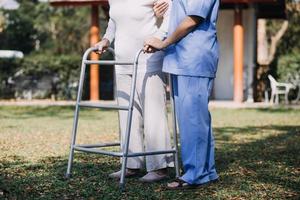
<point>85,59</point>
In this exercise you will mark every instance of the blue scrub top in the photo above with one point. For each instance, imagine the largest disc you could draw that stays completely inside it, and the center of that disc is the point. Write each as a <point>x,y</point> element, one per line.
<point>197,54</point>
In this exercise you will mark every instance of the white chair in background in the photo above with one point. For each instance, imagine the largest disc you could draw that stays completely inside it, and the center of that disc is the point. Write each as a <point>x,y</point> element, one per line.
<point>279,89</point>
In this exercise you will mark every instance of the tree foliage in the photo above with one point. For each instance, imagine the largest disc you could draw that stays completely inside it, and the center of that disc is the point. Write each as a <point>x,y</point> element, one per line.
<point>289,48</point>
<point>285,61</point>
<point>52,39</point>
<point>40,27</point>
<point>291,42</point>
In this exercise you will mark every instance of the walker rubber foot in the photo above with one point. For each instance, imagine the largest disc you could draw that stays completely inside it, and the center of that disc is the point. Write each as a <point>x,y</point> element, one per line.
<point>67,176</point>
<point>122,188</point>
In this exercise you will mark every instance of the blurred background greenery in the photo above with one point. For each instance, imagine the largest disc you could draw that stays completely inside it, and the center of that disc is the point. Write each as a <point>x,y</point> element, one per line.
<point>53,40</point>
<point>287,60</point>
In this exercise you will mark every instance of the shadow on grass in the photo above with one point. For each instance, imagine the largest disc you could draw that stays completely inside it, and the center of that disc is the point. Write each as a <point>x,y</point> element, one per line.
<point>273,161</point>
<point>276,110</point>
<point>262,169</point>
<point>227,133</point>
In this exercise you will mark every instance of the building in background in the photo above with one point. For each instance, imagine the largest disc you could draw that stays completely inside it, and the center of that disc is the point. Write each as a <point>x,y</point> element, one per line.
<point>237,32</point>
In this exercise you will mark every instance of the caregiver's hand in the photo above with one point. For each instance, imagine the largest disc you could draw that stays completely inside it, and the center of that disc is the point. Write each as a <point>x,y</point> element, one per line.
<point>153,44</point>
<point>160,8</point>
<point>102,46</point>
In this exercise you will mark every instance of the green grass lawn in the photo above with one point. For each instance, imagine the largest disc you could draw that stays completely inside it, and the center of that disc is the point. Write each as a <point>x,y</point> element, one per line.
<point>257,156</point>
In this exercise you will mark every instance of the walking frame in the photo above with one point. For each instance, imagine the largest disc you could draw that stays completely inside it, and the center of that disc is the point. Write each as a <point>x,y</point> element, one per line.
<point>98,148</point>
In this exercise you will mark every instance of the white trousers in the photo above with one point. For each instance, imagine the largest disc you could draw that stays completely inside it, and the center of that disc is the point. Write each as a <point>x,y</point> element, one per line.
<point>149,130</point>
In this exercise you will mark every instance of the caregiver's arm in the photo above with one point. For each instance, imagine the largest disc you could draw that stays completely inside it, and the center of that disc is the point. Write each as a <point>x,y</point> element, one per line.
<point>185,27</point>
<point>108,37</point>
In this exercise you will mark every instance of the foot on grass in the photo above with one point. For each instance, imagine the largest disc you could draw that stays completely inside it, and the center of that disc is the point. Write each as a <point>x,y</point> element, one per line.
<point>128,173</point>
<point>154,176</point>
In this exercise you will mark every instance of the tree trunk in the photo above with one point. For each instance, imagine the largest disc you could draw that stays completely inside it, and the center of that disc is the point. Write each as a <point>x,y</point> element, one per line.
<point>266,52</point>
<point>2,22</point>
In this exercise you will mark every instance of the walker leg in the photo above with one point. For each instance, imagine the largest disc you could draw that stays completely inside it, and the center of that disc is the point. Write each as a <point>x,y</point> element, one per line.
<point>75,123</point>
<point>176,160</point>
<point>71,156</point>
<point>126,148</point>
<point>129,121</point>
<point>123,171</point>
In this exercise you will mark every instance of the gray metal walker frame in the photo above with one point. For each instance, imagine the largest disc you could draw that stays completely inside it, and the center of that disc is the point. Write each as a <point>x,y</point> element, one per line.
<point>96,148</point>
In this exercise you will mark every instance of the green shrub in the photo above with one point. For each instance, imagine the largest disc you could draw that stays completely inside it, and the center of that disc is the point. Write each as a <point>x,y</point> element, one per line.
<point>8,67</point>
<point>288,67</point>
<point>64,69</point>
<point>52,39</point>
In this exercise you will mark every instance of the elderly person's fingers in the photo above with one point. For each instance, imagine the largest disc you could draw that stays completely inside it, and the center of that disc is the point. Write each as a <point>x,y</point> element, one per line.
<point>160,8</point>
<point>99,49</point>
<point>103,51</point>
<point>145,49</point>
<point>148,49</point>
<point>152,50</point>
<point>102,46</point>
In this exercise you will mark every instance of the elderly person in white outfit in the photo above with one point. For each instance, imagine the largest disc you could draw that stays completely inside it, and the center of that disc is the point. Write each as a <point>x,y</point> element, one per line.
<point>131,22</point>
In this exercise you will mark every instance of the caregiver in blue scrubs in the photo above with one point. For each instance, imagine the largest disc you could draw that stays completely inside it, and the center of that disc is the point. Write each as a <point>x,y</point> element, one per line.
<point>192,53</point>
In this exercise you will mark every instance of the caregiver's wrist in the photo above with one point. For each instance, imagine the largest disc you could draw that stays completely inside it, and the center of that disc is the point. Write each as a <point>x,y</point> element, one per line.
<point>166,43</point>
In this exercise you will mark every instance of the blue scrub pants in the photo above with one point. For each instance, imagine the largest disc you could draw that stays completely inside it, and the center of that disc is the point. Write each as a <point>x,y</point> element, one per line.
<point>191,95</point>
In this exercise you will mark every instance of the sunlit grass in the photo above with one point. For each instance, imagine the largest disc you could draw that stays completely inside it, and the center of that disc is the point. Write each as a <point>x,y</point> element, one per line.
<point>257,156</point>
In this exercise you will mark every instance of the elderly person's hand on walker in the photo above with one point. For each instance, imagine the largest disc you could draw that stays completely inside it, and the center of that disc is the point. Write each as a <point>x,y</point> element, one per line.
<point>102,46</point>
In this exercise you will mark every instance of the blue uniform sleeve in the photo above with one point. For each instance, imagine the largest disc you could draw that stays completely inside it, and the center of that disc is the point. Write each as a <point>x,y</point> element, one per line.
<point>200,8</point>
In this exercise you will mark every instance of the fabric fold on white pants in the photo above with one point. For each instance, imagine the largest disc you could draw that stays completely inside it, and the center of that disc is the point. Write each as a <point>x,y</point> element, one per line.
<point>149,130</point>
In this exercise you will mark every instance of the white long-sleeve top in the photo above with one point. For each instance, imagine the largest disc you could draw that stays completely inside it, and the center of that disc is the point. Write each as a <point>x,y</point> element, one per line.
<point>131,22</point>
